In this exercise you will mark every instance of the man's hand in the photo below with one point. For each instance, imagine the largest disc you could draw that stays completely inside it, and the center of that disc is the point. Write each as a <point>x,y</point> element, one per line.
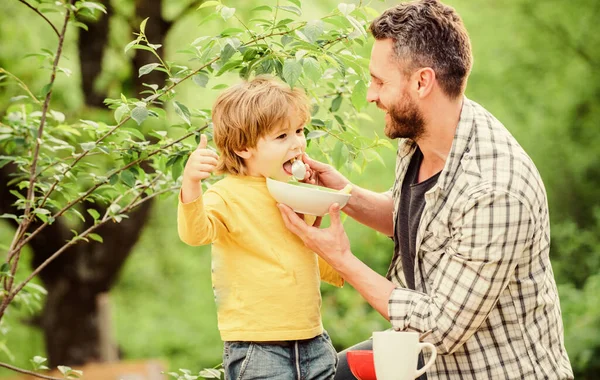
<point>201,163</point>
<point>330,243</point>
<point>324,175</point>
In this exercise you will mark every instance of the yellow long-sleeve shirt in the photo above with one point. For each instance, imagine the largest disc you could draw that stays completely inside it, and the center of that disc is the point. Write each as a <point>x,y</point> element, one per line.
<point>266,281</point>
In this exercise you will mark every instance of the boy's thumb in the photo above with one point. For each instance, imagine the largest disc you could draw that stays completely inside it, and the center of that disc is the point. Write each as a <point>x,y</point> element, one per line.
<point>203,142</point>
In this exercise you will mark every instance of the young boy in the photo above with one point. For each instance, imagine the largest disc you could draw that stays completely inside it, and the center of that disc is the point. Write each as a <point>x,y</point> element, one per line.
<point>265,280</point>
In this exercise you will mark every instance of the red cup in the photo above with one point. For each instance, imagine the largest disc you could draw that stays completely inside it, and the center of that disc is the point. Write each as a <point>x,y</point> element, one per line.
<point>361,364</point>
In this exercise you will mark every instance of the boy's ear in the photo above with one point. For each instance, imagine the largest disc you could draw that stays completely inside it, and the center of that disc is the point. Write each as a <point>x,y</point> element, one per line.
<point>245,153</point>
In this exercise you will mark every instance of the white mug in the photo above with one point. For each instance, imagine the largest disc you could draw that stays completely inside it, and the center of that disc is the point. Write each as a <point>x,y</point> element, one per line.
<point>396,355</point>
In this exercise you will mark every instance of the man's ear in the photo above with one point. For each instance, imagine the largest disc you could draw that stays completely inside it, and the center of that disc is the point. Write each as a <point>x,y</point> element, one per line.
<point>425,79</point>
<point>245,153</point>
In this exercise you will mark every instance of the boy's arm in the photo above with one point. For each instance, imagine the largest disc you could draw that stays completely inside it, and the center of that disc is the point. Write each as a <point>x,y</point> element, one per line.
<point>203,220</point>
<point>200,221</point>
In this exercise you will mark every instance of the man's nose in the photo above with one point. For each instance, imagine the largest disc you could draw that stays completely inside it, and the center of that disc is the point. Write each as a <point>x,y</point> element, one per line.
<point>372,94</point>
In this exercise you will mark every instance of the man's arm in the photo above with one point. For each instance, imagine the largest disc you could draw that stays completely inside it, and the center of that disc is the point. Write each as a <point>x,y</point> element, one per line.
<point>333,246</point>
<point>372,209</point>
<point>493,234</point>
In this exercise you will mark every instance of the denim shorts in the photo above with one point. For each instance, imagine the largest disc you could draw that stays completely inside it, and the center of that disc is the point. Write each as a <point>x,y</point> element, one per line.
<point>309,359</point>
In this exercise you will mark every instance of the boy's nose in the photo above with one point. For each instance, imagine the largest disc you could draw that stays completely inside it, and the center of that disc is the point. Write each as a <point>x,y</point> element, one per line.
<point>299,142</point>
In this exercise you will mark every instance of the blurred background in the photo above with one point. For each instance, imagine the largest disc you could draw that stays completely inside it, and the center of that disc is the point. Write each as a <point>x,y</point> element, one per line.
<point>535,68</point>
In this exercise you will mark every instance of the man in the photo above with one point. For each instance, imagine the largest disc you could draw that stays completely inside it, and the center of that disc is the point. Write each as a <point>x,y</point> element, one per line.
<point>468,213</point>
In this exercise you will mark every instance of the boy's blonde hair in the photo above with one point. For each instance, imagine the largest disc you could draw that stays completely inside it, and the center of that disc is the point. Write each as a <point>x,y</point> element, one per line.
<point>244,113</point>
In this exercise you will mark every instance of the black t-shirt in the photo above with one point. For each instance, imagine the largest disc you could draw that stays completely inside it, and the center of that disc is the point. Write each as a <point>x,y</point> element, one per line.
<point>412,203</point>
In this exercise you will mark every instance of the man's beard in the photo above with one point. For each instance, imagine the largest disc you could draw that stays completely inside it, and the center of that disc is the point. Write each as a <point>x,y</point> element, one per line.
<point>406,120</point>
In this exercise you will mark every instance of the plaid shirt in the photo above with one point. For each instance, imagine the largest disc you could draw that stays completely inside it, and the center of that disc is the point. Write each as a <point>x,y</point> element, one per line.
<point>483,279</point>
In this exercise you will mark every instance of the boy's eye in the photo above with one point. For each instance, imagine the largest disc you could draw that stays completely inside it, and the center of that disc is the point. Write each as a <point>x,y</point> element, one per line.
<point>300,131</point>
<point>282,136</point>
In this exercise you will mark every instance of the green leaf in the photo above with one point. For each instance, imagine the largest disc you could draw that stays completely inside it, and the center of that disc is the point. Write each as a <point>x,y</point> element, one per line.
<point>135,132</point>
<point>262,8</point>
<point>312,69</point>
<point>338,155</point>
<point>5,268</point>
<point>207,4</point>
<point>95,214</point>
<point>146,69</point>
<point>128,178</point>
<point>130,45</point>
<point>177,168</point>
<point>88,145</point>
<point>96,237</point>
<point>46,89</point>
<point>183,112</point>
<point>220,86</point>
<point>227,12</point>
<point>114,179</point>
<point>317,123</point>
<point>79,25</point>
<point>227,52</point>
<point>313,30</point>
<point>359,95</point>
<point>143,25</point>
<point>38,360</point>
<point>336,103</point>
<point>357,26</point>
<point>296,2</point>
<point>316,134</point>
<point>10,216</point>
<point>292,70</point>
<point>139,114</point>
<point>210,373</point>
<point>200,79</point>
<point>92,6</point>
<point>120,112</point>
<point>289,8</point>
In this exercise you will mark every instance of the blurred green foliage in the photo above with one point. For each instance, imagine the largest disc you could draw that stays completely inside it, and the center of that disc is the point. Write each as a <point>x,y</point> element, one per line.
<point>535,70</point>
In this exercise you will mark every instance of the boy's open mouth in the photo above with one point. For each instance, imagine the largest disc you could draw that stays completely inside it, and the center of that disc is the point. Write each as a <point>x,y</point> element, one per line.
<point>287,166</point>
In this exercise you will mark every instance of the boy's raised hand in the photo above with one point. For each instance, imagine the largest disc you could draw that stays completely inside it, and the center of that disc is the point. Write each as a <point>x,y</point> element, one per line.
<point>201,163</point>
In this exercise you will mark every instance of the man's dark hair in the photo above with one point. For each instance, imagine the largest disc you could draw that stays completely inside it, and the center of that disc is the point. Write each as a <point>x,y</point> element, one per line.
<point>427,33</point>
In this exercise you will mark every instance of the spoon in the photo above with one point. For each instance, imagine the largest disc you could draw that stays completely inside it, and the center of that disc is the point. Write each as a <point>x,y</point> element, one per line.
<point>298,169</point>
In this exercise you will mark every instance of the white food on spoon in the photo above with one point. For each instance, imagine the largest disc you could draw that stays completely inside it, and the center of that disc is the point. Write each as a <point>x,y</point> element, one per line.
<point>298,169</point>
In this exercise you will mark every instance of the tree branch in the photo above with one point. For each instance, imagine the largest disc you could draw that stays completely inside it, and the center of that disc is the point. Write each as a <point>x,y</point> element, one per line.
<point>20,245</point>
<point>26,372</point>
<point>42,16</point>
<point>37,270</point>
<point>22,229</point>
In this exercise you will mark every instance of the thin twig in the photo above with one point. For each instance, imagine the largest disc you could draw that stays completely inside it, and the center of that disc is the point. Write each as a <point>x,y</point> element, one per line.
<point>37,270</point>
<point>42,16</point>
<point>21,83</point>
<point>93,188</point>
<point>26,372</point>
<point>30,191</point>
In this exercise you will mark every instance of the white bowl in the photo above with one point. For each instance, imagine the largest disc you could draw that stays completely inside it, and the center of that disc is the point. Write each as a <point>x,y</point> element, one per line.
<point>305,198</point>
